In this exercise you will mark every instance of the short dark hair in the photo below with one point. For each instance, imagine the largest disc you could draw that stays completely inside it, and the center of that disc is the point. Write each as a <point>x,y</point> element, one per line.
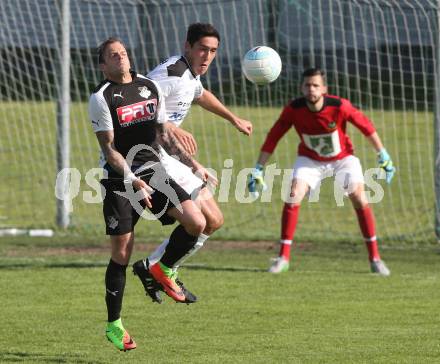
<point>200,30</point>
<point>103,46</point>
<point>310,72</point>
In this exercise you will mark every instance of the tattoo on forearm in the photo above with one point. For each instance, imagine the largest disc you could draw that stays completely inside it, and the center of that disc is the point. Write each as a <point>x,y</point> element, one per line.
<point>115,160</point>
<point>172,146</point>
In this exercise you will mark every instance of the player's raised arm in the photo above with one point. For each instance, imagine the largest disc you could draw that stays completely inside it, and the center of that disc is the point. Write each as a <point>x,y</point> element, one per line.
<point>211,103</point>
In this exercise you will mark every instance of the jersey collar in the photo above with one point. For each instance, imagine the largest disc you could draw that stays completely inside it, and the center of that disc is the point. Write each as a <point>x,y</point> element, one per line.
<point>133,77</point>
<point>324,104</point>
<point>183,59</point>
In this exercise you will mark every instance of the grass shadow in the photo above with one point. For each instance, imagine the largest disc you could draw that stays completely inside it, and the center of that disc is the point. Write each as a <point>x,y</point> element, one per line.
<point>223,269</point>
<point>26,357</point>
<point>55,265</point>
<point>62,265</point>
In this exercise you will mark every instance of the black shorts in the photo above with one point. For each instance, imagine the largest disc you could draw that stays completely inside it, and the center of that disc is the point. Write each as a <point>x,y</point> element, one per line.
<point>121,215</point>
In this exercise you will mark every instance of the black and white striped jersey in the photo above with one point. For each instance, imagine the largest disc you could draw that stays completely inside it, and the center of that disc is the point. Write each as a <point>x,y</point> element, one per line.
<point>132,111</point>
<point>180,86</point>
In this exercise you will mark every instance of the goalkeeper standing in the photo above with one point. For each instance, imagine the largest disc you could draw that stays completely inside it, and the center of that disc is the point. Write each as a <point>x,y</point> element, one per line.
<point>320,121</point>
<point>179,80</point>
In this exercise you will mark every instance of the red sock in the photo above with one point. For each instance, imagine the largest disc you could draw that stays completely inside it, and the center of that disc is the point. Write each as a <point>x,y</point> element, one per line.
<point>366,223</point>
<point>289,220</point>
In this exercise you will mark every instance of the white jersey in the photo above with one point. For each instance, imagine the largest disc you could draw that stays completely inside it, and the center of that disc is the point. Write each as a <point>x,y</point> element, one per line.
<point>180,86</point>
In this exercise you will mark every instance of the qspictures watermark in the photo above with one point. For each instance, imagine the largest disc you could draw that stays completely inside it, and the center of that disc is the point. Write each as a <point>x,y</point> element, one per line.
<point>69,180</point>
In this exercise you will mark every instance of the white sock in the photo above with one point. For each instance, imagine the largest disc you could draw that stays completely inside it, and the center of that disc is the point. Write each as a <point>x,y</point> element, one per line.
<point>200,241</point>
<point>158,253</point>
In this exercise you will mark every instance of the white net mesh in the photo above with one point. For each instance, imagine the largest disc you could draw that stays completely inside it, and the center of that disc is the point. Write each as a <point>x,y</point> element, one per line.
<point>379,54</point>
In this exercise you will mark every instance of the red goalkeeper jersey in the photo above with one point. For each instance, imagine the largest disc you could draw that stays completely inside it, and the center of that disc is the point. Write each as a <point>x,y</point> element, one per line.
<point>323,133</point>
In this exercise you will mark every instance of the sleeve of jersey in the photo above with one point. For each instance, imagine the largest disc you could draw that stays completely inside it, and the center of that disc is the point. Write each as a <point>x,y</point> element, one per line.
<point>199,90</point>
<point>281,126</point>
<point>165,83</point>
<point>161,115</point>
<point>99,113</point>
<point>358,119</point>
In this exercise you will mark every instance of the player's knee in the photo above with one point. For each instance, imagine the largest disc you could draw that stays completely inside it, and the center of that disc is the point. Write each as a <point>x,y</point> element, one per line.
<point>121,248</point>
<point>358,199</point>
<point>197,225</point>
<point>121,257</point>
<point>219,221</point>
<point>214,222</point>
<point>296,197</point>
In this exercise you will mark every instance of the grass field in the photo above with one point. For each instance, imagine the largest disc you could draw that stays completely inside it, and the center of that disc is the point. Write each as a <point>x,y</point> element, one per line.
<point>327,309</point>
<point>405,215</point>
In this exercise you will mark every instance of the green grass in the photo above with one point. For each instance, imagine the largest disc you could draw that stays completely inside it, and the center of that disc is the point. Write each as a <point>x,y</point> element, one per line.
<point>327,309</point>
<point>406,213</point>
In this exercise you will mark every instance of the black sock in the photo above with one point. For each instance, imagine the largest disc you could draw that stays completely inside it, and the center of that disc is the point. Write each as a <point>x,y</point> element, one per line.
<point>114,287</point>
<point>180,244</point>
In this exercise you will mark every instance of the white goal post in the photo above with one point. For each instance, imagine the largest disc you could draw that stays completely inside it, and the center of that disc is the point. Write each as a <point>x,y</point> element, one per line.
<point>381,54</point>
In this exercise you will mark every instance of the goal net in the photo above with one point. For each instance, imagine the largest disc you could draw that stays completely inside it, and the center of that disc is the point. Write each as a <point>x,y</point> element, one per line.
<point>381,54</point>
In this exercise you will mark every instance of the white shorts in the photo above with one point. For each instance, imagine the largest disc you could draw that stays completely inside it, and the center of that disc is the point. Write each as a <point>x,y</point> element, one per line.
<point>347,171</point>
<point>180,173</point>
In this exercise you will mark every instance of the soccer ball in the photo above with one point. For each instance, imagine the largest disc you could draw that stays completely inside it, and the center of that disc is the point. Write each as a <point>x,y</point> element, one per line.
<point>261,65</point>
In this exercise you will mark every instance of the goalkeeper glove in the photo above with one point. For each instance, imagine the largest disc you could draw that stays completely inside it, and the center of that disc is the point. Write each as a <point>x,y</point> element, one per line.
<point>256,181</point>
<point>385,162</point>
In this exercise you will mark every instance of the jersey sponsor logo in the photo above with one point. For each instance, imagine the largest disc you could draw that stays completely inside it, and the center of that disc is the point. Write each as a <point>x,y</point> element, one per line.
<point>325,145</point>
<point>144,92</point>
<point>138,112</point>
<point>175,116</point>
<point>184,104</point>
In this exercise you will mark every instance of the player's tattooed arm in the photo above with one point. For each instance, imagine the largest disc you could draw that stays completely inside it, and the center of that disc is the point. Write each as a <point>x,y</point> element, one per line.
<point>172,146</point>
<point>118,163</point>
<point>112,156</point>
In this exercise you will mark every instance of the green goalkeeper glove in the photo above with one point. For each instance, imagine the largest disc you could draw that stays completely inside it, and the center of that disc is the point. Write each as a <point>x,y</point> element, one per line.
<point>256,181</point>
<point>385,162</point>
